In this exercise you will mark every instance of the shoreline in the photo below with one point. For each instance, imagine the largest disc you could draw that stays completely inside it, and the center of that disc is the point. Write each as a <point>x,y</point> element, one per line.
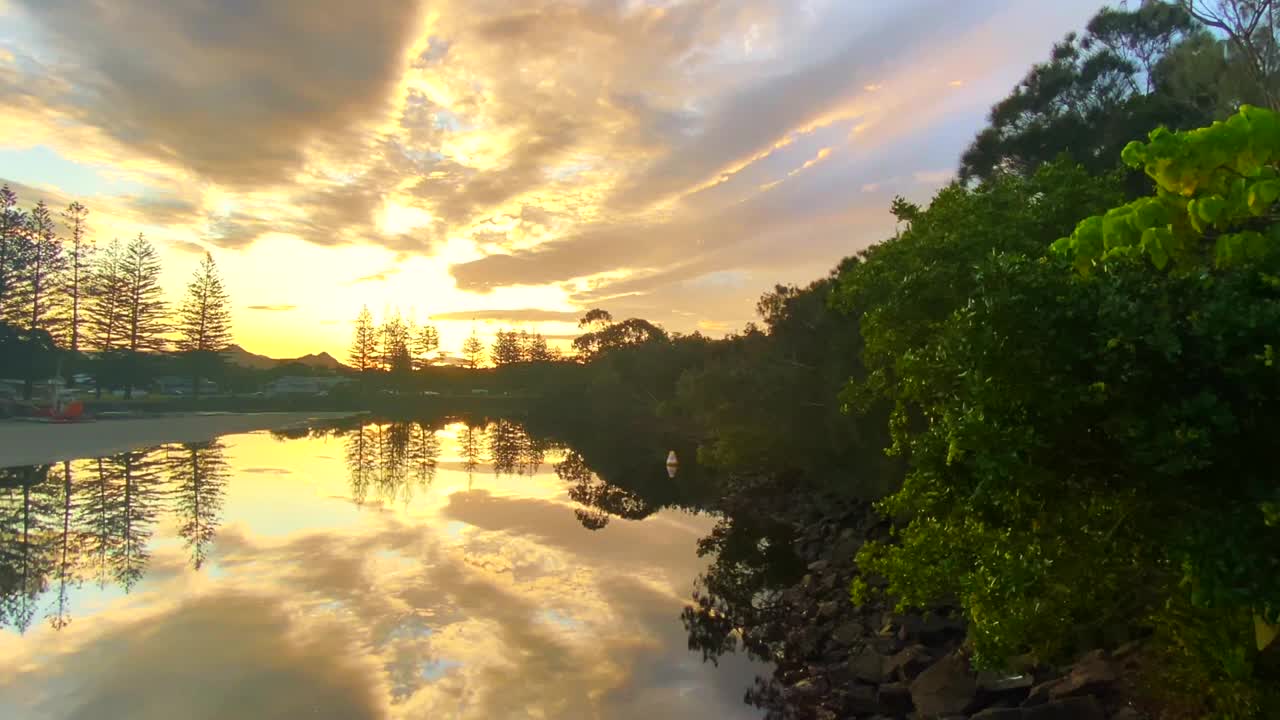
<point>33,443</point>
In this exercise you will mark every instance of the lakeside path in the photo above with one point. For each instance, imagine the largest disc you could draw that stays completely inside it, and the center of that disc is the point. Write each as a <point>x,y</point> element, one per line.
<point>32,443</point>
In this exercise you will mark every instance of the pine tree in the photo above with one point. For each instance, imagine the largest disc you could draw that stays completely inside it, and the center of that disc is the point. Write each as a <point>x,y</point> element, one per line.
<point>396,343</point>
<point>536,349</point>
<point>143,309</point>
<point>204,323</point>
<point>472,351</point>
<point>14,255</point>
<point>364,355</point>
<point>425,342</point>
<point>104,311</point>
<point>45,273</point>
<point>78,270</point>
<point>506,348</point>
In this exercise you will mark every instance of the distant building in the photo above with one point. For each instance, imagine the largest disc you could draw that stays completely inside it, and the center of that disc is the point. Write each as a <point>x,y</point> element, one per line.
<point>303,385</point>
<point>175,385</point>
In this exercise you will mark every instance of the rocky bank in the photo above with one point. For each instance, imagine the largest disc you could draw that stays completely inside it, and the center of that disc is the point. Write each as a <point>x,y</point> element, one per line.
<point>843,662</point>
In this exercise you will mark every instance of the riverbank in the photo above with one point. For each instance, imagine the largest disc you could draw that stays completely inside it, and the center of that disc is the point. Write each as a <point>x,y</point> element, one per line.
<point>779,591</point>
<point>33,443</point>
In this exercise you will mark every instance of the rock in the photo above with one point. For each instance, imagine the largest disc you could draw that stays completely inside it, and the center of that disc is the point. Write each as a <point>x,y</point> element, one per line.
<point>1003,682</point>
<point>1127,713</point>
<point>818,566</point>
<point>894,699</point>
<point>909,663</point>
<point>867,666</point>
<point>860,700</point>
<point>887,645</point>
<point>1040,694</point>
<point>845,550</point>
<point>945,688</point>
<point>1074,708</point>
<point>998,714</point>
<point>828,609</point>
<point>1092,675</point>
<point>849,633</point>
<point>806,642</point>
<point>805,690</point>
<point>929,630</point>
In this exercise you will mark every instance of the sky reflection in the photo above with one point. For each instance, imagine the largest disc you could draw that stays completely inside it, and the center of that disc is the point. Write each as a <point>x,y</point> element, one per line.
<point>344,588</point>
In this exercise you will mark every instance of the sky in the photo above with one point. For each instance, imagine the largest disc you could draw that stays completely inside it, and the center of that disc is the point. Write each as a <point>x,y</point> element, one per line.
<point>487,164</point>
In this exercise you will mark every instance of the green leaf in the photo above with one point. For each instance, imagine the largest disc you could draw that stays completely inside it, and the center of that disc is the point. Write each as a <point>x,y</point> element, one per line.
<point>1134,154</point>
<point>1157,242</point>
<point>1210,208</point>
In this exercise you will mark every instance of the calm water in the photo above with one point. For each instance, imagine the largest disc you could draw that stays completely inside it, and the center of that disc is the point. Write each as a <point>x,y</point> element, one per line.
<point>387,571</point>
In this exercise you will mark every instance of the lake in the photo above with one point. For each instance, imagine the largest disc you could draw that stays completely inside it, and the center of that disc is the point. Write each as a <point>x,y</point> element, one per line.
<point>366,570</point>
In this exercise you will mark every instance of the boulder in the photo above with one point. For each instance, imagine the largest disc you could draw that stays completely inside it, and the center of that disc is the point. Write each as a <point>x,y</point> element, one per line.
<point>859,700</point>
<point>845,549</point>
<point>828,609</point>
<point>849,632</point>
<point>1126,713</point>
<point>1074,708</point>
<point>805,691</point>
<point>945,688</point>
<point>894,699</point>
<point>818,566</point>
<point>1000,682</point>
<point>1041,693</point>
<point>998,714</point>
<point>887,645</point>
<point>1092,675</point>
<point>867,666</point>
<point>909,663</point>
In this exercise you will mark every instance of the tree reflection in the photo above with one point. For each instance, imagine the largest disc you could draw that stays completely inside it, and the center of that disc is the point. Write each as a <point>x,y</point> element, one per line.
<point>361,461</point>
<point>395,460</point>
<point>67,572</point>
<point>139,475</point>
<point>27,546</point>
<point>469,449</point>
<point>737,601</point>
<point>199,475</point>
<point>99,499</point>
<point>601,499</point>
<point>423,454</point>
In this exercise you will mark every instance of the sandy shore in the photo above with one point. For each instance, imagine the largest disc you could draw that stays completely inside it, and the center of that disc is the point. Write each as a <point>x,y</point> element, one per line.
<point>29,443</point>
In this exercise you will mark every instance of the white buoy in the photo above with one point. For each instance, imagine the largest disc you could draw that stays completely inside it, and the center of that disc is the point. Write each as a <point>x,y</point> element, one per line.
<point>671,458</point>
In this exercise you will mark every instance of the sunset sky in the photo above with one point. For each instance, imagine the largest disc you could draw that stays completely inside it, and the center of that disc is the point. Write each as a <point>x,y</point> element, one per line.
<point>495,162</point>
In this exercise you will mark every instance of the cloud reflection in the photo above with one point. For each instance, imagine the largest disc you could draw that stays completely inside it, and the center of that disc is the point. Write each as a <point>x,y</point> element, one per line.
<point>488,602</point>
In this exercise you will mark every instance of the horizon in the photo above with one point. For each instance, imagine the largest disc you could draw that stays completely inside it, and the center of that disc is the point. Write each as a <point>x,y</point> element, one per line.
<point>670,161</point>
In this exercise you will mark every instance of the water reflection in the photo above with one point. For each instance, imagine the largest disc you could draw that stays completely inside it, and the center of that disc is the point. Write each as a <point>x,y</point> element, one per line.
<point>361,569</point>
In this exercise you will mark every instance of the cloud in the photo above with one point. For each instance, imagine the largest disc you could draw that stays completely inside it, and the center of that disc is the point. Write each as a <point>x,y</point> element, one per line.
<point>273,308</point>
<point>515,316</point>
<point>237,91</point>
<point>758,117</point>
<point>380,276</point>
<point>187,247</point>
<point>933,177</point>
<point>225,655</point>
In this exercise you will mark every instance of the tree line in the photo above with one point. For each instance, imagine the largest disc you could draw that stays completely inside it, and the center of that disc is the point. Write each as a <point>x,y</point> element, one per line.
<point>67,303</point>
<point>399,347</point>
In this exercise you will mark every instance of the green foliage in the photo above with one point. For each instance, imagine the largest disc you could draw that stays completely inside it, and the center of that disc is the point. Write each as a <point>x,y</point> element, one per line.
<point>1089,452</point>
<point>1214,203</point>
<point>1098,91</point>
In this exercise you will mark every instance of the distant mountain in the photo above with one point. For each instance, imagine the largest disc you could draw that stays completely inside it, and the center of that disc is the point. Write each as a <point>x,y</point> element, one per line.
<point>239,356</point>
